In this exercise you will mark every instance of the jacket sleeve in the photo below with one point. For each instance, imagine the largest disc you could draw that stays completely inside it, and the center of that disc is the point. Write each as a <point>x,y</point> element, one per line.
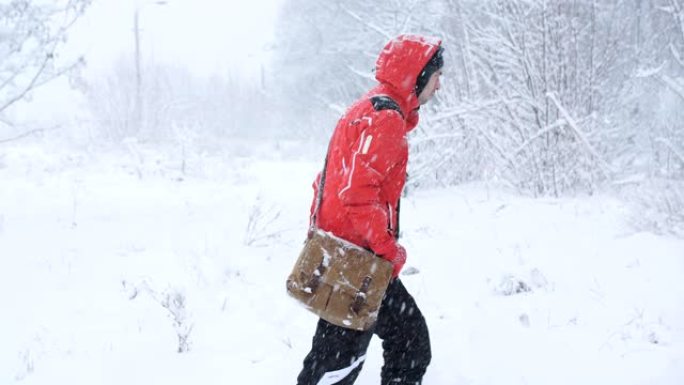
<point>412,120</point>
<point>379,148</point>
<point>315,185</point>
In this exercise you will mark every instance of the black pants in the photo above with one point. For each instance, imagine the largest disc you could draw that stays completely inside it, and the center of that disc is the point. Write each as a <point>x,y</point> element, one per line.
<point>337,354</point>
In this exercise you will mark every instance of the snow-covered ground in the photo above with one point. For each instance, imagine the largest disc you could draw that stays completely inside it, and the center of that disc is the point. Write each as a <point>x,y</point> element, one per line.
<point>112,261</point>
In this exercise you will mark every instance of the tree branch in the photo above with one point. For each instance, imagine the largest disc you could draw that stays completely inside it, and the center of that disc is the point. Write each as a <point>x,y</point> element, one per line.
<point>674,86</point>
<point>10,79</point>
<point>29,87</point>
<point>678,14</point>
<point>540,133</point>
<point>463,111</point>
<point>575,129</point>
<point>23,135</point>
<point>373,27</point>
<point>669,145</point>
<point>37,82</point>
<point>47,48</point>
<point>365,75</point>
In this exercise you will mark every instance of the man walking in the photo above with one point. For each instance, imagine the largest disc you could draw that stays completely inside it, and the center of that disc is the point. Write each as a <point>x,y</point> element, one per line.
<point>365,175</point>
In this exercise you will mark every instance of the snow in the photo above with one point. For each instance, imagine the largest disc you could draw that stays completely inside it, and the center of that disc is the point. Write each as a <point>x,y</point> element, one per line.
<point>108,258</point>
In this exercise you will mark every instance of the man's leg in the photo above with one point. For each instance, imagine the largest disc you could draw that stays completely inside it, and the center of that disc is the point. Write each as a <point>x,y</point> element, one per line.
<point>336,357</point>
<point>406,341</point>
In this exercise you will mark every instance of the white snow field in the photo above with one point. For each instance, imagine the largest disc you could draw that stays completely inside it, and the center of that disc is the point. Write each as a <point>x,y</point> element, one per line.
<point>110,262</point>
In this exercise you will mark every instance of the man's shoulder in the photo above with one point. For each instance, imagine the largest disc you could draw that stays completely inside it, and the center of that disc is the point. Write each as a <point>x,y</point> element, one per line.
<point>384,102</point>
<point>376,110</point>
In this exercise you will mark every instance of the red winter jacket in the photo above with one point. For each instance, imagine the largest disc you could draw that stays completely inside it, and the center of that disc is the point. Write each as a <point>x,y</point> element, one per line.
<point>368,152</point>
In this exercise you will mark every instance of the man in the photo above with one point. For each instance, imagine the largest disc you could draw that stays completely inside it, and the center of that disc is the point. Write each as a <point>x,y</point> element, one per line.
<point>365,174</point>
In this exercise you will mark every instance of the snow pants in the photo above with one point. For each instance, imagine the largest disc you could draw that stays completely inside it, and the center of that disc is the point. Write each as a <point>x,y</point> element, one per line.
<point>337,354</point>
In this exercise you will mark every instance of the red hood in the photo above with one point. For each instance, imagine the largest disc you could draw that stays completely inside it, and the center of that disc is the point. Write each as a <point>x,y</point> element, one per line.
<point>400,64</point>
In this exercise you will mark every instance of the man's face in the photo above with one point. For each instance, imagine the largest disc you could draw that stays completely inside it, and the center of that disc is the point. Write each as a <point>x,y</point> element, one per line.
<point>431,87</point>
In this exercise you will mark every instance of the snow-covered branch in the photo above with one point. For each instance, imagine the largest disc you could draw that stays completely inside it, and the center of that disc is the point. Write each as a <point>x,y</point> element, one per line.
<point>678,57</point>
<point>575,129</point>
<point>22,135</point>
<point>553,126</point>
<point>476,107</point>
<point>678,14</point>
<point>677,152</point>
<point>673,85</point>
<point>364,75</point>
<point>29,48</point>
<point>366,23</point>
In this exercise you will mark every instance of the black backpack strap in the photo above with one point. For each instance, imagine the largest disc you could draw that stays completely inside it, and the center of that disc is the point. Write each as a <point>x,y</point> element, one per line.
<point>319,194</point>
<point>384,102</point>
